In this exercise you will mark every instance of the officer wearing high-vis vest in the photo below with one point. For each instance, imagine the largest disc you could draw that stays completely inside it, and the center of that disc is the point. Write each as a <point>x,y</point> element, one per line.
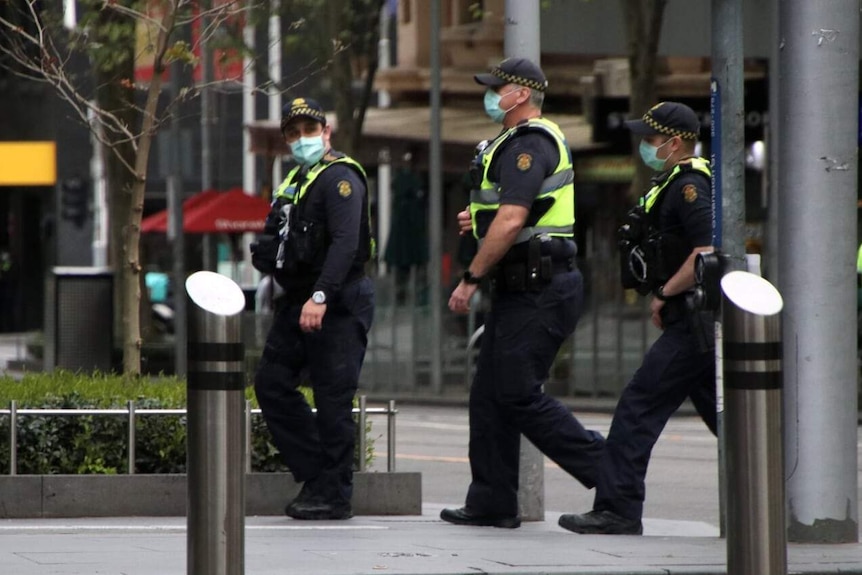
<point>522,213</point>
<point>315,244</point>
<point>659,242</point>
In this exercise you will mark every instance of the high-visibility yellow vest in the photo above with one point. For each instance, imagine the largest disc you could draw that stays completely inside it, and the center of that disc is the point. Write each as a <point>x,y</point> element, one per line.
<point>293,193</point>
<point>559,219</point>
<point>696,164</point>
<point>288,188</point>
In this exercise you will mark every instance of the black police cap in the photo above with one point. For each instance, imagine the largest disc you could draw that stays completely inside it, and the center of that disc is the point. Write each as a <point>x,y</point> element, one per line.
<point>669,119</point>
<point>302,108</point>
<point>514,71</point>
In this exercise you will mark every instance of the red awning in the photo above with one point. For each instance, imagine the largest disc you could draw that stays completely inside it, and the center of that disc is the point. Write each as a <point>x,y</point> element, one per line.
<point>211,212</point>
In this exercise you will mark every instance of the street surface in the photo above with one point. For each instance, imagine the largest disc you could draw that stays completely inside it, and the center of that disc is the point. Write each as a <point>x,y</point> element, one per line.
<point>682,483</point>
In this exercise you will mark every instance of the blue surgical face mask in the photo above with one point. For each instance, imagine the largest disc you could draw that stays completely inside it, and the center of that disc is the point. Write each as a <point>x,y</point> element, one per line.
<point>649,155</point>
<point>492,105</point>
<point>308,151</point>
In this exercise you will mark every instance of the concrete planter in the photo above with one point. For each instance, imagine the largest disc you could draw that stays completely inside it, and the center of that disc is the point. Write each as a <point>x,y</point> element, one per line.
<point>35,496</point>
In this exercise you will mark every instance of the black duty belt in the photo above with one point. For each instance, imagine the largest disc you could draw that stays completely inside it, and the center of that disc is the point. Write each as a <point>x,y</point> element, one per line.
<point>513,277</point>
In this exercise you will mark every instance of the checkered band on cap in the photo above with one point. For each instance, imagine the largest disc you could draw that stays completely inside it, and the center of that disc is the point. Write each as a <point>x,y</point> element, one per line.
<point>652,123</point>
<point>513,79</point>
<point>302,107</point>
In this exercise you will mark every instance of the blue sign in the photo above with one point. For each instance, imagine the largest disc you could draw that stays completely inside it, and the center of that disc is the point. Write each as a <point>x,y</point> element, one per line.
<point>715,157</point>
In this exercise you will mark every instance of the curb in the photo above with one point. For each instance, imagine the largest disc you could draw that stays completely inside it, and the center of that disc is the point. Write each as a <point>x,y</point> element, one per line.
<point>54,496</point>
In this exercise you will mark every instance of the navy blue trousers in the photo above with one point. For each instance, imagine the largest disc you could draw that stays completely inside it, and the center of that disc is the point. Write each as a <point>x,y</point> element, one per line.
<point>674,368</point>
<point>523,334</point>
<point>329,361</point>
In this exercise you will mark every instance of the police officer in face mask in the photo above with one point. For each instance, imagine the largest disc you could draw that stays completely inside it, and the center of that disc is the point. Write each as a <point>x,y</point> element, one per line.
<point>315,244</point>
<point>659,242</point>
<point>522,212</point>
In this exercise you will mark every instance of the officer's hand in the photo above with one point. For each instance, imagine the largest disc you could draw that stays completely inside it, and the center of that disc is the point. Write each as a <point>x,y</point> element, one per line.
<point>459,302</point>
<point>465,223</point>
<point>655,309</point>
<point>311,318</point>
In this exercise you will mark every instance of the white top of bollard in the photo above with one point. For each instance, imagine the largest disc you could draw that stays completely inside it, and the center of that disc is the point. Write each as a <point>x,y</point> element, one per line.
<point>752,293</point>
<point>215,293</point>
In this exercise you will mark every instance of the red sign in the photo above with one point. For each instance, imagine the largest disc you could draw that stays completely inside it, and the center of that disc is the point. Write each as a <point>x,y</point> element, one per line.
<point>226,25</point>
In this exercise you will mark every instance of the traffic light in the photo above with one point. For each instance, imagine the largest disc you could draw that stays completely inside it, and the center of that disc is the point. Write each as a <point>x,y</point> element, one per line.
<point>74,200</point>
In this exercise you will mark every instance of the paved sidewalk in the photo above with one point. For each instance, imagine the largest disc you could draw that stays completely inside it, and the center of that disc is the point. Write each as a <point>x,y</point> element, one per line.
<point>415,545</point>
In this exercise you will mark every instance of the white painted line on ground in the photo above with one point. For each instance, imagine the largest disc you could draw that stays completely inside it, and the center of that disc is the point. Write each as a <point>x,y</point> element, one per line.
<point>180,528</point>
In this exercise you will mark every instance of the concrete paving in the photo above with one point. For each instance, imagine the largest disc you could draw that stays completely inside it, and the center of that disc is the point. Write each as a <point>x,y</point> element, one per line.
<point>408,545</point>
<point>370,545</point>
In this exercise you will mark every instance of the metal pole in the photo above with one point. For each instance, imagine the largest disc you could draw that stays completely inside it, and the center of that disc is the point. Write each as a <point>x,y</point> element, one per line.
<point>274,91</point>
<point>363,421</point>
<point>249,115</point>
<point>521,32</point>
<point>176,234</point>
<point>521,38</point>
<point>216,427</point>
<point>206,132</point>
<point>13,437</point>
<point>131,437</point>
<point>728,164</point>
<point>818,107</point>
<point>772,135</point>
<point>435,209</point>
<point>384,168</point>
<point>384,205</point>
<point>248,448</point>
<point>752,350</point>
<point>390,443</point>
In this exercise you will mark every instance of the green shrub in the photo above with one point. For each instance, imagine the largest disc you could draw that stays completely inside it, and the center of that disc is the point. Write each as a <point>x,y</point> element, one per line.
<point>59,444</point>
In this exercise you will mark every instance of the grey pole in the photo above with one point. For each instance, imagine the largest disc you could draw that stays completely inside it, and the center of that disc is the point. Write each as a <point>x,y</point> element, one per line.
<point>756,541</point>
<point>521,37</point>
<point>207,247</point>
<point>216,427</point>
<point>176,234</point>
<point>521,31</point>
<point>728,165</point>
<point>772,137</point>
<point>818,111</point>
<point>435,209</point>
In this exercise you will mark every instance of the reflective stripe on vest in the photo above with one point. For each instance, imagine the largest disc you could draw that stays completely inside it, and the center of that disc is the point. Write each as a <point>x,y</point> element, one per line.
<point>697,164</point>
<point>559,220</point>
<point>287,189</point>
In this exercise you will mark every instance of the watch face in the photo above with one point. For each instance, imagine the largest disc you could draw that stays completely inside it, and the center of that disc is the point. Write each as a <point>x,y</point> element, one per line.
<point>318,297</point>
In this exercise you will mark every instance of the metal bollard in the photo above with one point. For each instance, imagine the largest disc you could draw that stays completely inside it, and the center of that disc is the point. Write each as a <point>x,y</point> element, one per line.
<point>216,427</point>
<point>752,353</point>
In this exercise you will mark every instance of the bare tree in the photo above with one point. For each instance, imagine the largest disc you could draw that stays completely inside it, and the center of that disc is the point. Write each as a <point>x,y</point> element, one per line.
<point>643,19</point>
<point>36,46</point>
<point>340,38</point>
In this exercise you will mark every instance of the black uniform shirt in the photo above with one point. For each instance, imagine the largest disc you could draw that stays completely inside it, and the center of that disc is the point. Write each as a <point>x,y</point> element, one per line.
<point>686,208</point>
<point>337,198</point>
<point>520,167</point>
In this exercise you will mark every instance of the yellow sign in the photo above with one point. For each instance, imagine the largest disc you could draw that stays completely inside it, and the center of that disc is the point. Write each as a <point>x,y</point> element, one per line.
<point>608,169</point>
<point>28,163</point>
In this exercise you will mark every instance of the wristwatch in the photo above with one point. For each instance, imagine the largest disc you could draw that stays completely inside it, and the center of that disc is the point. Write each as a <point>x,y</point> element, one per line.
<point>318,297</point>
<point>659,293</point>
<point>469,278</point>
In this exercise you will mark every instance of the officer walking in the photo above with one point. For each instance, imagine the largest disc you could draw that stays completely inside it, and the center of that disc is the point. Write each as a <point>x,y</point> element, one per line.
<point>659,243</point>
<point>522,212</point>
<point>315,243</point>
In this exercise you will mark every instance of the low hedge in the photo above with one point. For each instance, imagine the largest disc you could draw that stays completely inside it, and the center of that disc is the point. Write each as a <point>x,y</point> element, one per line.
<point>82,444</point>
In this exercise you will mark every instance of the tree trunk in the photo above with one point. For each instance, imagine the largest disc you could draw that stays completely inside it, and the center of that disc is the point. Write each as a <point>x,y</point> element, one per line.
<point>118,98</point>
<point>643,19</point>
<point>130,264</point>
<point>337,18</point>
